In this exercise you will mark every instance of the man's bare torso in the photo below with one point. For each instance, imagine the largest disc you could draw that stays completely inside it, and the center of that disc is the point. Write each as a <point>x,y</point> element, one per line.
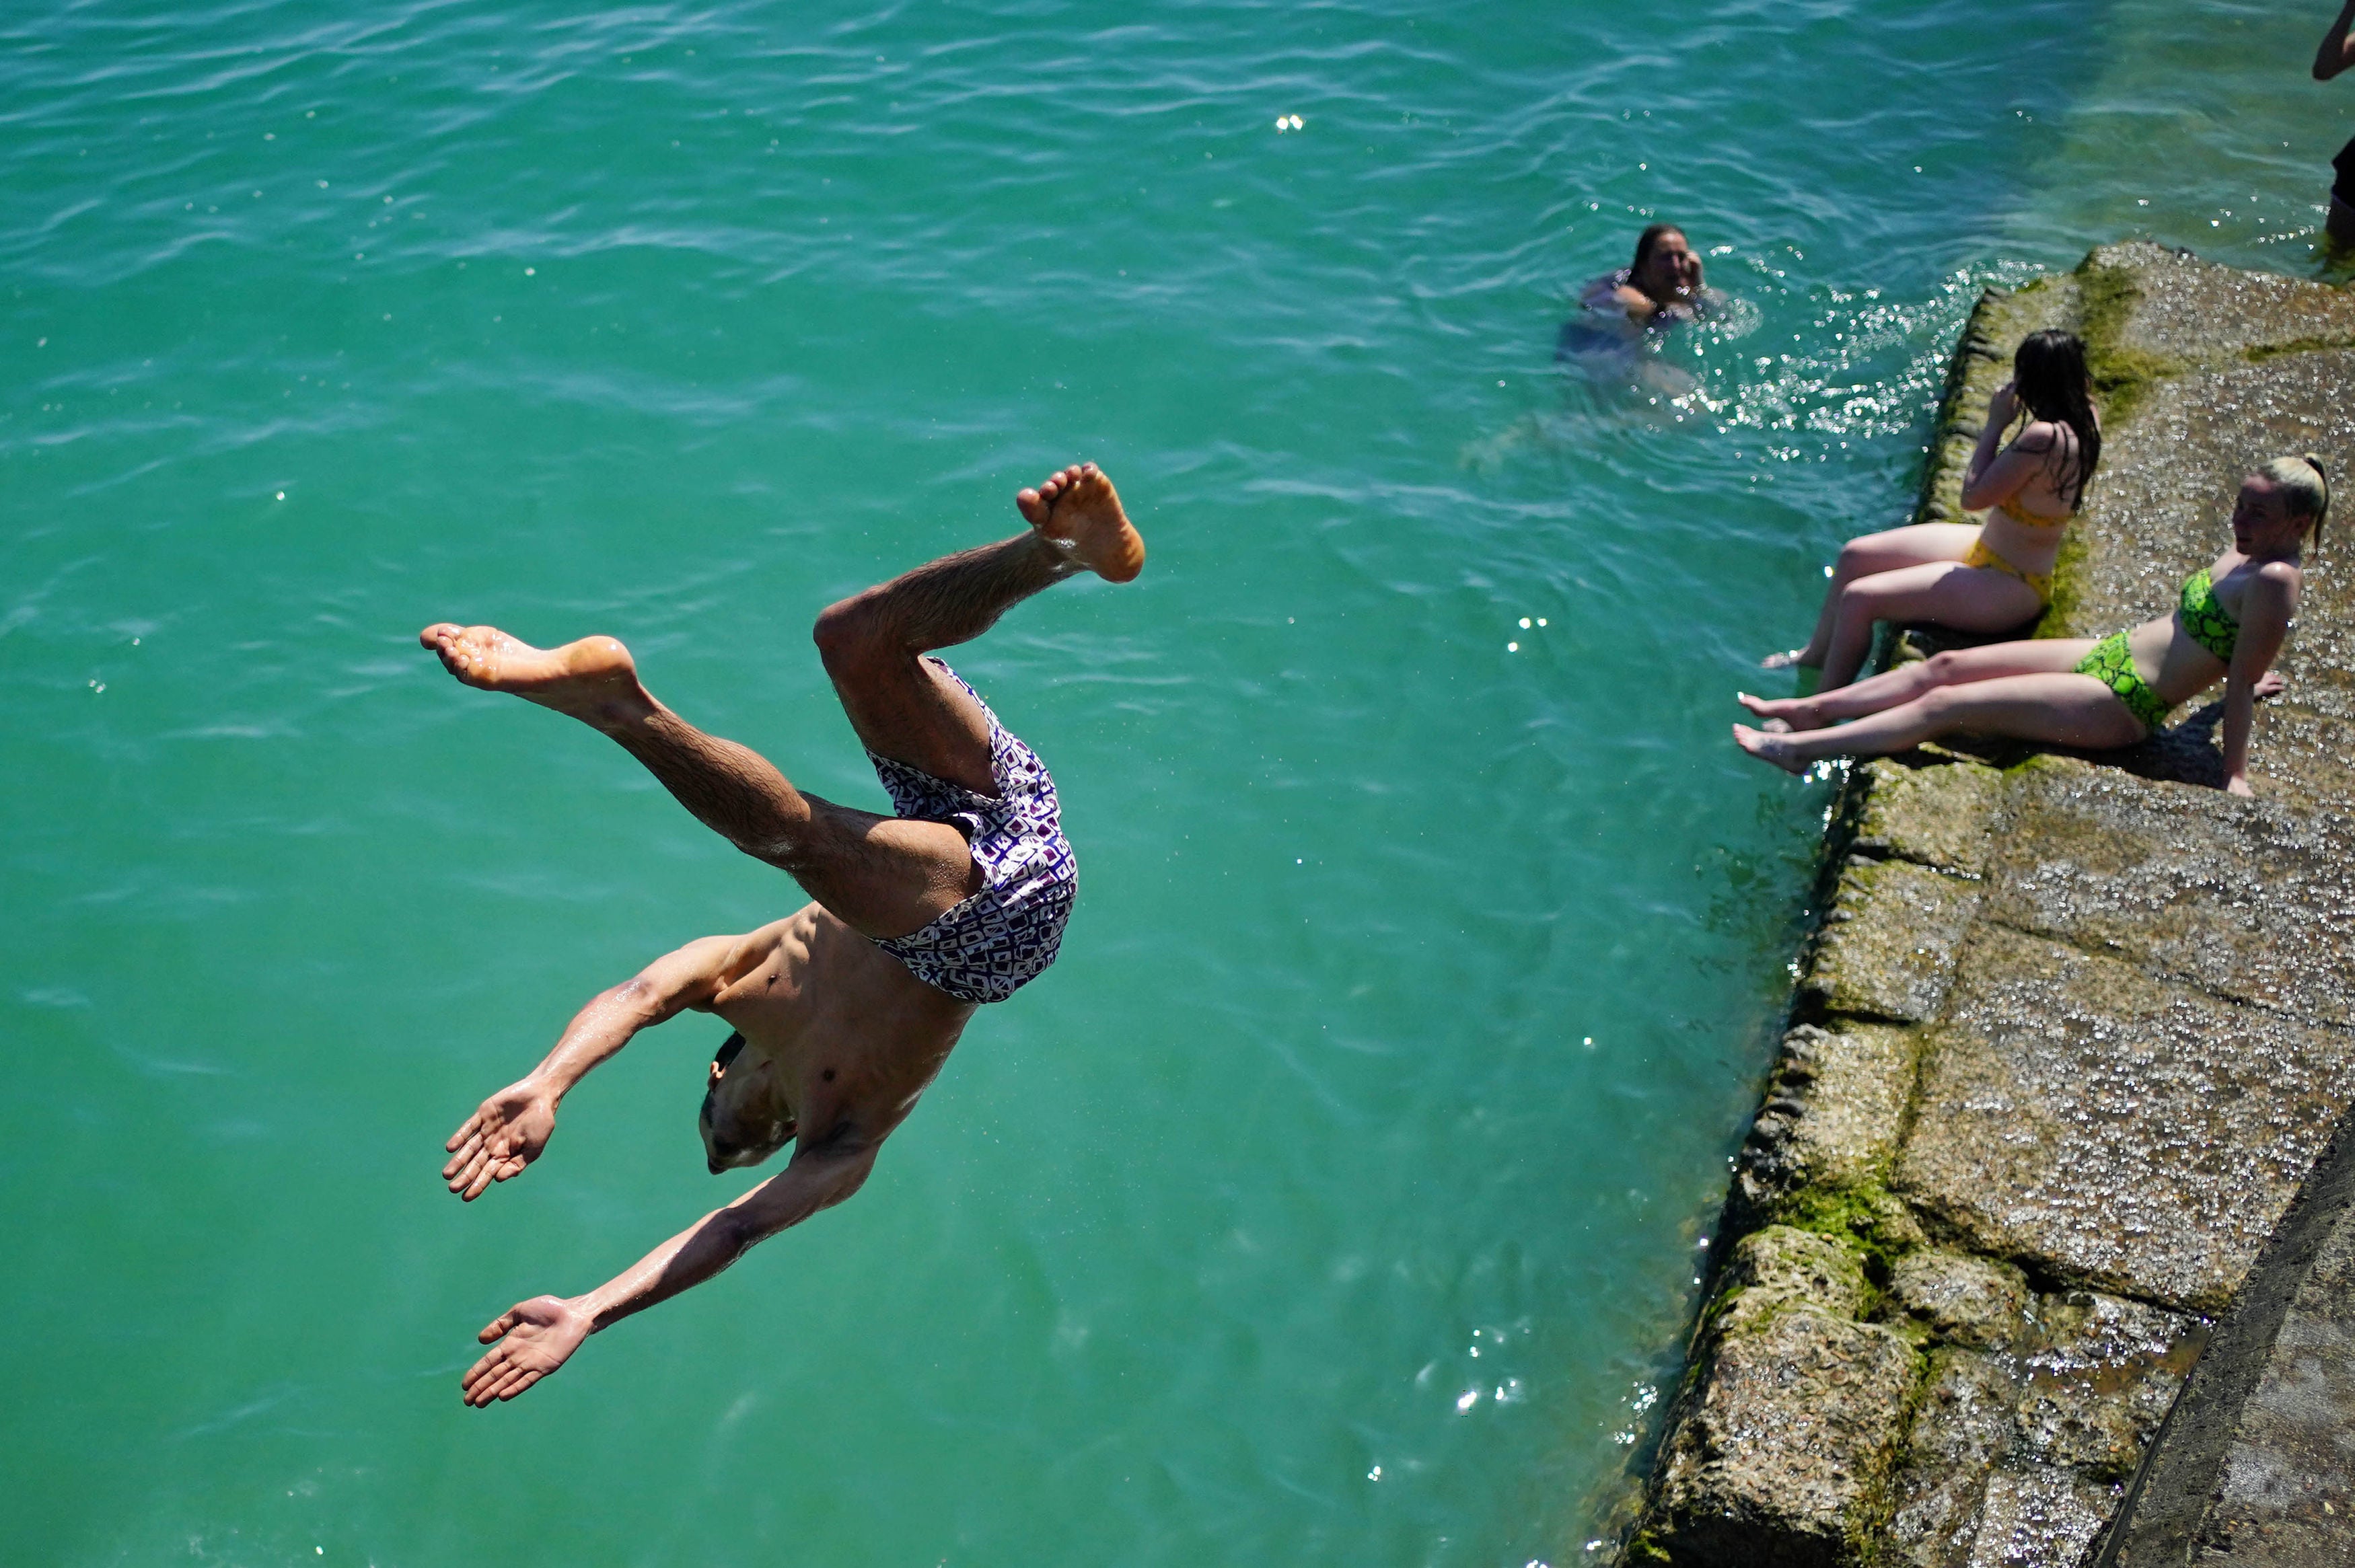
<point>839,1040</point>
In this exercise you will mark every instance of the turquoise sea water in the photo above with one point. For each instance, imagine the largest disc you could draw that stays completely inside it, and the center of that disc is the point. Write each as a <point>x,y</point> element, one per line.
<point>1338,1197</point>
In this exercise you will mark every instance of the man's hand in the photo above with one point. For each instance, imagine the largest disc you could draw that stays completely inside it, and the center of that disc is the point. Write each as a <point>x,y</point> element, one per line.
<point>503,1135</point>
<point>533,1339</point>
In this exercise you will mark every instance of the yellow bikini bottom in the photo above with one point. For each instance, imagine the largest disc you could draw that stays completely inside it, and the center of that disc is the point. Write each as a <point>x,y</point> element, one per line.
<point>2041,582</point>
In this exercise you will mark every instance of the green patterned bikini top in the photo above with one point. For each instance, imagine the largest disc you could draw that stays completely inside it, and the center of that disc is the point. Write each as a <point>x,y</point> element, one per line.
<point>2205,619</point>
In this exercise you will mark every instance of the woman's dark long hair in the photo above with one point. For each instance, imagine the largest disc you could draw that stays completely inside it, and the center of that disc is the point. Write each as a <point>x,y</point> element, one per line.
<point>2049,375</point>
<point>1645,242</point>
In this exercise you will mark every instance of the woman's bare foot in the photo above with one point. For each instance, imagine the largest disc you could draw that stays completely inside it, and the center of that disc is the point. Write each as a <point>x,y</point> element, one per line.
<point>1782,715</point>
<point>1773,748</point>
<point>1078,510</point>
<point>1788,659</point>
<point>592,680</point>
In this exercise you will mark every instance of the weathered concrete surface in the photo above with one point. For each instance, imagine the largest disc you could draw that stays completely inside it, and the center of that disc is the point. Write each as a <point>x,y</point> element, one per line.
<point>1886,948</point>
<point>2102,1125</point>
<point>2071,1036</point>
<point>2257,1463</point>
<point>2252,900</point>
<point>1808,1486</point>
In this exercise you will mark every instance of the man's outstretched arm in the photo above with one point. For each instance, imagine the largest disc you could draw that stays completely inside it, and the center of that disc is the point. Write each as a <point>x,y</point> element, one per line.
<point>508,1130</point>
<point>532,1338</point>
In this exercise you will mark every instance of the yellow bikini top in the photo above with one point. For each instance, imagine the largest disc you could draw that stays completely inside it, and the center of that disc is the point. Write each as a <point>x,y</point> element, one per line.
<point>2010,509</point>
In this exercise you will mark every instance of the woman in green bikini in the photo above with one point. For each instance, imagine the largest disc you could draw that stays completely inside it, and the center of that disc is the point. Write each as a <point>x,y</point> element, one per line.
<point>1985,577</point>
<point>2229,622</point>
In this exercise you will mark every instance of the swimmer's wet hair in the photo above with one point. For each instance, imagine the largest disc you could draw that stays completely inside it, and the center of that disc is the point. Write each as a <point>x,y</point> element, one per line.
<point>2048,372</point>
<point>1646,242</point>
<point>2305,486</point>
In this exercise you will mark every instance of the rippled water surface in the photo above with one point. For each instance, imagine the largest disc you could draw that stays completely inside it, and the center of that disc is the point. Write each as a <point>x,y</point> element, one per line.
<point>1338,1197</point>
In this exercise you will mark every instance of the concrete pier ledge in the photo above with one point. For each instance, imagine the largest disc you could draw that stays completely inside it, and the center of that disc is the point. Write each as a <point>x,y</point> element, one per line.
<point>2071,1036</point>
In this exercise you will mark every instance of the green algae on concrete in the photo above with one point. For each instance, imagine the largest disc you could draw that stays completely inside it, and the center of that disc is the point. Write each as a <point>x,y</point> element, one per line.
<point>1936,817</point>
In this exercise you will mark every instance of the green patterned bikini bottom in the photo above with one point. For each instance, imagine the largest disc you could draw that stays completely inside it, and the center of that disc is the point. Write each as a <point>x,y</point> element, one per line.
<point>2113,665</point>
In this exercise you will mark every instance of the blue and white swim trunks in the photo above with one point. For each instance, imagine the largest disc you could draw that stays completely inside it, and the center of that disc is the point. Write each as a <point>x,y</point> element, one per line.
<point>995,942</point>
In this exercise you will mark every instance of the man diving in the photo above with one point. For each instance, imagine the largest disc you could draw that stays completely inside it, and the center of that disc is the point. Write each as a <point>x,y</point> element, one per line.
<point>847,1009</point>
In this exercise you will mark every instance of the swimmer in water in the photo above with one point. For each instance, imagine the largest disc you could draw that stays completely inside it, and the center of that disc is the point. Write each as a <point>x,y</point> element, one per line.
<point>2228,624</point>
<point>1989,577</point>
<point>1662,288</point>
<point>846,1010</point>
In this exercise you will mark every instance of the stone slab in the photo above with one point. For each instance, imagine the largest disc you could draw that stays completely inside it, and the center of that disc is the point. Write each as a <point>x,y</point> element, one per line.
<point>1887,949</point>
<point>2253,899</point>
<point>2099,1380</point>
<point>2040,1518</point>
<point>2256,1465</point>
<point>2105,1128</point>
<point>1958,1299</point>
<point>1774,1269</point>
<point>1835,1105</point>
<point>1783,1458</point>
<point>1961,1430</point>
<point>1934,816</point>
<point>2198,312</point>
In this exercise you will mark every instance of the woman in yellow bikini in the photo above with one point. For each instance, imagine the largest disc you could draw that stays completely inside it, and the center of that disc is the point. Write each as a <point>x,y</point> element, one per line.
<point>1985,578</point>
<point>2229,622</point>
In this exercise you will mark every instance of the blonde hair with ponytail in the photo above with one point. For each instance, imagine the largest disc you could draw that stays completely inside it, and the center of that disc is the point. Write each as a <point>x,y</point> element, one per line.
<point>2305,486</point>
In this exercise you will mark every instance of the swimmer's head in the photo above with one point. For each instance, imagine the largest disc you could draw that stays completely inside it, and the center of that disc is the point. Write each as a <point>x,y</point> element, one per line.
<point>746,1116</point>
<point>2049,375</point>
<point>2283,500</point>
<point>1666,266</point>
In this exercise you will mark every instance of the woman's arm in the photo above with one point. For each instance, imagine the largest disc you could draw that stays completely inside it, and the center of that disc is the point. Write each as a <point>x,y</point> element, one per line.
<point>1994,476</point>
<point>2265,623</point>
<point>1635,304</point>
<point>2333,55</point>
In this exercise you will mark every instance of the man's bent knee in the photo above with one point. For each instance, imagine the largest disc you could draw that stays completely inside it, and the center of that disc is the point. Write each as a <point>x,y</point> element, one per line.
<point>851,637</point>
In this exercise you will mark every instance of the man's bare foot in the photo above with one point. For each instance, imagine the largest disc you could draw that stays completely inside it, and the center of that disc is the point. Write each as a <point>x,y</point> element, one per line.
<point>592,679</point>
<point>1787,658</point>
<point>1773,748</point>
<point>1079,511</point>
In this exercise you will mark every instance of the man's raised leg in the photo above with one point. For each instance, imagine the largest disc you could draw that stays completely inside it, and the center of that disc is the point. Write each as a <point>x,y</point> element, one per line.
<point>873,643</point>
<point>882,877</point>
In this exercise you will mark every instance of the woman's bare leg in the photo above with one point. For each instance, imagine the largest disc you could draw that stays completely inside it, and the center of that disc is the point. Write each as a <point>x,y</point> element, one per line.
<point>1960,666</point>
<point>2067,708</point>
<point>1914,546</point>
<point>1944,593</point>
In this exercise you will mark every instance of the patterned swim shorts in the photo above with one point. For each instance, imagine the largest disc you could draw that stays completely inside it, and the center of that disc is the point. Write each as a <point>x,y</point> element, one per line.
<point>992,943</point>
